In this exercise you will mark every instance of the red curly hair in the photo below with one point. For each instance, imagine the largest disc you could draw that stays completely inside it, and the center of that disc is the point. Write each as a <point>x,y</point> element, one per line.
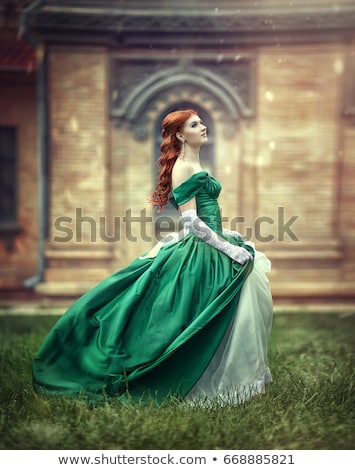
<point>170,148</point>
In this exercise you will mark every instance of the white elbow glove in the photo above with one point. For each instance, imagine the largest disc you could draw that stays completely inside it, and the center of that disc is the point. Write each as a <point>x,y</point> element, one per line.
<point>192,222</point>
<point>233,233</point>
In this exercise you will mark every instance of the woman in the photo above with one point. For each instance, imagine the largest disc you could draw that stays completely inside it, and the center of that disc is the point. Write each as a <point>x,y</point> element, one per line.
<point>190,319</point>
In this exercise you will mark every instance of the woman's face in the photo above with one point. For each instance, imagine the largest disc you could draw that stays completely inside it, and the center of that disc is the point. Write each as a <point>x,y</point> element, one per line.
<point>194,131</point>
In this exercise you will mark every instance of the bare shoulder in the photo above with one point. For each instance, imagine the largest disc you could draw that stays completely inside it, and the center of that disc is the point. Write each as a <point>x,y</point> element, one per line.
<point>181,172</point>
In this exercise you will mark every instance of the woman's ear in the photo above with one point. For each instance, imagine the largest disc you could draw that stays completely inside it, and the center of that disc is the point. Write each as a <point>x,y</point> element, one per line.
<point>180,137</point>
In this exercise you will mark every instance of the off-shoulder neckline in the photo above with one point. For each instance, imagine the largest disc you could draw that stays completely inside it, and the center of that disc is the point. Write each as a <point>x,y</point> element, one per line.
<point>187,179</point>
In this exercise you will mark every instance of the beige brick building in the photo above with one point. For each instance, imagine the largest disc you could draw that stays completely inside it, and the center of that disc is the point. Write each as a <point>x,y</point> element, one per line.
<point>275,85</point>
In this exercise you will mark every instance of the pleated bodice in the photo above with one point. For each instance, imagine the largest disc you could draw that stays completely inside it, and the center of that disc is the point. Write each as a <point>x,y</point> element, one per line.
<point>205,189</point>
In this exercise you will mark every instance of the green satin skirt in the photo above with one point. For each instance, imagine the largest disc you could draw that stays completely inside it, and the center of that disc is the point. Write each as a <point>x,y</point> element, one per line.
<point>146,332</point>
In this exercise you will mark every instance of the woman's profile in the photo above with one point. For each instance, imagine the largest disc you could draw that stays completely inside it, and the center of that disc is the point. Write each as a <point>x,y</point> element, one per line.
<point>190,319</point>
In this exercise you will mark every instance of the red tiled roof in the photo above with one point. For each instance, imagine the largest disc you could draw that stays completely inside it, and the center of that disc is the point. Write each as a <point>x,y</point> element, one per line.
<point>16,54</point>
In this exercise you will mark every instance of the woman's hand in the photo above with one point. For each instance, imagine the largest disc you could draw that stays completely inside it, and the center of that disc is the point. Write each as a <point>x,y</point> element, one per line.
<point>239,254</point>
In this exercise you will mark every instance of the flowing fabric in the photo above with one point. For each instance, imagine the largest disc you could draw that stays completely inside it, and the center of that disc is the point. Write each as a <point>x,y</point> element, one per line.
<point>173,322</point>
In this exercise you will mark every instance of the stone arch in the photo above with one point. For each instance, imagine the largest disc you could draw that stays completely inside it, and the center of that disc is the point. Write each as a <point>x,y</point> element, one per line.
<point>187,80</point>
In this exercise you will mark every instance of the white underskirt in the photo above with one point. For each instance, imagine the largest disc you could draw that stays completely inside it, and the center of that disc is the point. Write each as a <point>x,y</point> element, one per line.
<point>239,369</point>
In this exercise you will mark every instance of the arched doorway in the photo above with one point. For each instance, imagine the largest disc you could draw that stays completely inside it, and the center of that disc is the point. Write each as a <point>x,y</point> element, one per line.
<point>168,219</point>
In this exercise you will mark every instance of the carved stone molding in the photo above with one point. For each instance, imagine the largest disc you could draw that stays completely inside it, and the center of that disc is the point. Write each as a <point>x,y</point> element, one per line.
<point>105,22</point>
<point>57,15</point>
<point>137,85</point>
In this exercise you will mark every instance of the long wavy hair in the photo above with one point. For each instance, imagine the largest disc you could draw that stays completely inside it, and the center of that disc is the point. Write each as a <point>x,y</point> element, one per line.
<point>170,149</point>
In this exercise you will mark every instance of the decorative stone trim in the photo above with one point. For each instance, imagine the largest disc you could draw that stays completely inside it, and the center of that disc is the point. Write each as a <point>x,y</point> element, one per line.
<point>138,84</point>
<point>101,16</point>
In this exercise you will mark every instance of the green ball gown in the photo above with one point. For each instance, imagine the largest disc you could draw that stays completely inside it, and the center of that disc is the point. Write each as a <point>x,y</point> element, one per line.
<point>184,320</point>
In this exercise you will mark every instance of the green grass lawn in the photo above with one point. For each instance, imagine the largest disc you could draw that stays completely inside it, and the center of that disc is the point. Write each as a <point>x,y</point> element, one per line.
<point>309,405</point>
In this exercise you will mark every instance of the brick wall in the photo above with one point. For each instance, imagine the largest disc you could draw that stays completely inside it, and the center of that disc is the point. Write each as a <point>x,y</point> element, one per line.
<point>297,154</point>
<point>303,157</point>
<point>18,108</point>
<point>79,189</point>
<point>346,195</point>
<point>295,159</point>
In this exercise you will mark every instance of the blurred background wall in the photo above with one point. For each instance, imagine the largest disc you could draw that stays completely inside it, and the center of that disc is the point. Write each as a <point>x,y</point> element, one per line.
<point>84,86</point>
